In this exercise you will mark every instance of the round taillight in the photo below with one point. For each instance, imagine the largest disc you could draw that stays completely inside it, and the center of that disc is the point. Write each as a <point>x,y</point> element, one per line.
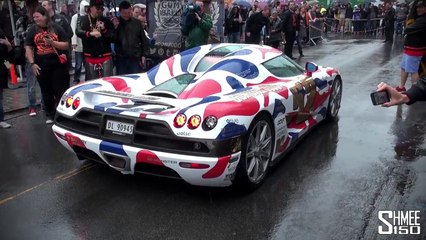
<point>210,122</point>
<point>63,98</point>
<point>76,103</point>
<point>180,120</point>
<point>68,102</point>
<point>194,121</point>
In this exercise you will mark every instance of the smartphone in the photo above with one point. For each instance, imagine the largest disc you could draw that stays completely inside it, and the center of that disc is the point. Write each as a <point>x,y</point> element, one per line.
<point>378,98</point>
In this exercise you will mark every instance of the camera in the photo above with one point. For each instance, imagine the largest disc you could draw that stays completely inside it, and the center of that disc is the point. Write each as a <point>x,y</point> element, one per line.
<point>193,8</point>
<point>378,98</point>
<point>188,18</point>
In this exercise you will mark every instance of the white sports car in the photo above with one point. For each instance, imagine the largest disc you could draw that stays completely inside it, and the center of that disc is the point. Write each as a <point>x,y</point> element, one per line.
<point>214,115</point>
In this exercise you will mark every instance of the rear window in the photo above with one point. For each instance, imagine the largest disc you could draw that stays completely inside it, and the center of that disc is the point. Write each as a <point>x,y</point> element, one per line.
<point>214,56</point>
<point>283,67</point>
<point>175,85</point>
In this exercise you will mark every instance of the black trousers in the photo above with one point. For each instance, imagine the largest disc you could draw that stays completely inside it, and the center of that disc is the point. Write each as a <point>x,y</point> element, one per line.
<point>290,37</point>
<point>53,81</point>
<point>128,65</point>
<point>253,39</point>
<point>389,31</point>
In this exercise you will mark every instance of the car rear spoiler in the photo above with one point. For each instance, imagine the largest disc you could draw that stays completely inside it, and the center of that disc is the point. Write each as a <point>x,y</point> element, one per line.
<point>135,98</point>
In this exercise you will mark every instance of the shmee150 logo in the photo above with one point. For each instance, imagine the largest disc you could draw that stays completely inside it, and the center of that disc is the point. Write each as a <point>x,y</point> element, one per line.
<point>399,222</point>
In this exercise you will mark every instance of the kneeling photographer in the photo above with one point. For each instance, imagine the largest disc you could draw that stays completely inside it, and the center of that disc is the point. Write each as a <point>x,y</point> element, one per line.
<point>196,24</point>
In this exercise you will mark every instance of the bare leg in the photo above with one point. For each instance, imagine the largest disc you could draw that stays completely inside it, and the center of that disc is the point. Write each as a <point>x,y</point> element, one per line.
<point>404,76</point>
<point>414,77</point>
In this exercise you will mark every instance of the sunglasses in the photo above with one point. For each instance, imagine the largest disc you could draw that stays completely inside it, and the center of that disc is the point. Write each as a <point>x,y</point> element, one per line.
<point>99,8</point>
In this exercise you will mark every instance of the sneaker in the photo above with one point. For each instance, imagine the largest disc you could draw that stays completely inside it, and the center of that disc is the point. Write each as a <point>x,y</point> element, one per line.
<point>32,112</point>
<point>400,89</point>
<point>49,121</point>
<point>5,125</point>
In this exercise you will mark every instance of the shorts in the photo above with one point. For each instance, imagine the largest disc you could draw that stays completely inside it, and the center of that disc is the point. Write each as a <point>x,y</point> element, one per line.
<point>410,64</point>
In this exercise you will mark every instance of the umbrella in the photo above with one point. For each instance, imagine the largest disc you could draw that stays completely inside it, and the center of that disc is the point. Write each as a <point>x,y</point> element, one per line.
<point>341,1</point>
<point>372,2</point>
<point>312,2</point>
<point>243,4</point>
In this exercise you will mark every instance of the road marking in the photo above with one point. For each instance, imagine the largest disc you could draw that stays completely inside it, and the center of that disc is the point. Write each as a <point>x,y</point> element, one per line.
<point>55,179</point>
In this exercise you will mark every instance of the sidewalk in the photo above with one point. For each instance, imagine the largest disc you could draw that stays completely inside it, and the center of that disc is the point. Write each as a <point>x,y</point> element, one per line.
<point>15,98</point>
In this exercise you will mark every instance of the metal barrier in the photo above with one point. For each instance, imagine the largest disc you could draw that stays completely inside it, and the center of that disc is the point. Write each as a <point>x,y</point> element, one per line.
<point>365,26</point>
<point>316,29</point>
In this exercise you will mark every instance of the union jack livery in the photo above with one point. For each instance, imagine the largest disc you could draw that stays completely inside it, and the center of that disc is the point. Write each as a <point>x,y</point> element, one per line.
<point>214,115</point>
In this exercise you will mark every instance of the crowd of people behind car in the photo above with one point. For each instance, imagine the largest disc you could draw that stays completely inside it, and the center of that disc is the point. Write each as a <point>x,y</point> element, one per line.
<point>47,39</point>
<point>365,18</point>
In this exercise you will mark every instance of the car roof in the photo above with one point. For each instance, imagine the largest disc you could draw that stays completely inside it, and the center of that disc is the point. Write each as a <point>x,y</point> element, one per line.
<point>255,54</point>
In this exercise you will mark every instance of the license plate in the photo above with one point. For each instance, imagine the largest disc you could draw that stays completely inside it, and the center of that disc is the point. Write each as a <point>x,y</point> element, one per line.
<point>120,128</point>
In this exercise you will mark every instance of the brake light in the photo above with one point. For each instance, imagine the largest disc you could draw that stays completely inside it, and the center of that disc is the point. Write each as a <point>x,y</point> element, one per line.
<point>180,120</point>
<point>194,122</point>
<point>193,165</point>
<point>76,103</point>
<point>68,102</point>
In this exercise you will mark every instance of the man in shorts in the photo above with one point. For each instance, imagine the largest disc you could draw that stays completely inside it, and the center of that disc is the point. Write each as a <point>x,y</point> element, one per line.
<point>414,47</point>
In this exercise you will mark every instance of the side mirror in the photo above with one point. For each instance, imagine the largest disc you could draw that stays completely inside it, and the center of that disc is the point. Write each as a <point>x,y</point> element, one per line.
<point>310,68</point>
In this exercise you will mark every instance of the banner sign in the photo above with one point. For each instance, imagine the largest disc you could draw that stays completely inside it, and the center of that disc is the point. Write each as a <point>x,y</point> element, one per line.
<point>164,25</point>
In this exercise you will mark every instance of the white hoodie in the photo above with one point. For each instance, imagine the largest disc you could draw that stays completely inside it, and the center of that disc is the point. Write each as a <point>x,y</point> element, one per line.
<point>76,40</point>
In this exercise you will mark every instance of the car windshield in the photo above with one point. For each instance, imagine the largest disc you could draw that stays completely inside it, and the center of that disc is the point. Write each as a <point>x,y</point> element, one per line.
<point>214,56</point>
<point>281,66</point>
<point>172,87</point>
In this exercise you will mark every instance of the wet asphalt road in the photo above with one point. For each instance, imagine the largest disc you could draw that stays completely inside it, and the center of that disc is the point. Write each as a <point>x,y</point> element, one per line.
<point>330,187</point>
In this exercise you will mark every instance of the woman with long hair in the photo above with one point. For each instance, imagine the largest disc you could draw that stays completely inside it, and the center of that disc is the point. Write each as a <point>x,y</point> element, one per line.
<point>45,45</point>
<point>233,24</point>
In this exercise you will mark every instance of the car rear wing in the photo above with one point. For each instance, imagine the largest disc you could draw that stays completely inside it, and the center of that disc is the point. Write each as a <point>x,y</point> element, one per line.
<point>134,98</point>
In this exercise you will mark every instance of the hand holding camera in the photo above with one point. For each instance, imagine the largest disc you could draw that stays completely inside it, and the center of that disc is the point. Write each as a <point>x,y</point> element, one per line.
<point>100,25</point>
<point>95,33</point>
<point>388,96</point>
<point>48,40</point>
<point>197,16</point>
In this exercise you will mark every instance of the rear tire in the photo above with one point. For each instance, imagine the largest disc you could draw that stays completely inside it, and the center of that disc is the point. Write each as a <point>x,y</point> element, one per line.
<point>334,100</point>
<point>256,155</point>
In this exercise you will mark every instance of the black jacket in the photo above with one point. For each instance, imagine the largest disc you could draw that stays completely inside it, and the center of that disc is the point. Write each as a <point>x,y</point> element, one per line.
<point>418,91</point>
<point>389,18</point>
<point>95,47</point>
<point>63,22</point>
<point>131,40</point>
<point>232,25</point>
<point>289,22</point>
<point>255,23</point>
<point>416,33</point>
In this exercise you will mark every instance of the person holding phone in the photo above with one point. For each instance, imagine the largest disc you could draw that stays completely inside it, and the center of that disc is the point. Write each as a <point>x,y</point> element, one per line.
<point>96,33</point>
<point>416,93</point>
<point>44,43</point>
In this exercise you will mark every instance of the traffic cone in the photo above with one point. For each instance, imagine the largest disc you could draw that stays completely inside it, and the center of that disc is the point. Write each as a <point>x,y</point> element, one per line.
<point>13,77</point>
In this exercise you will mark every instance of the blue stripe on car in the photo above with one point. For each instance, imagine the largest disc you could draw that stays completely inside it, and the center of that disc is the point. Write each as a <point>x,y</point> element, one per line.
<point>102,107</point>
<point>112,148</point>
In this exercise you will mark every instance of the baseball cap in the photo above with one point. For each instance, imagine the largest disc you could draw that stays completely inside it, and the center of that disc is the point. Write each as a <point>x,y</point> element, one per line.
<point>96,3</point>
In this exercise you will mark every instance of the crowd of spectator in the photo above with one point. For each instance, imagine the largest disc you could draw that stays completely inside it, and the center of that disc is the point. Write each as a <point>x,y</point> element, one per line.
<point>365,19</point>
<point>50,37</point>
